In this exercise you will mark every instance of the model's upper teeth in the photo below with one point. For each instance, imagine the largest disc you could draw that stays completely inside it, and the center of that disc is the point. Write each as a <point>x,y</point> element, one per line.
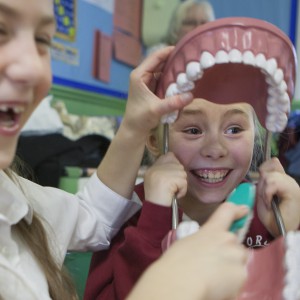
<point>278,103</point>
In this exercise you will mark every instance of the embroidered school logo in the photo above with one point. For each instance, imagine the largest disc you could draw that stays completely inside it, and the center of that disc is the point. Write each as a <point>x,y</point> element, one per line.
<point>256,241</point>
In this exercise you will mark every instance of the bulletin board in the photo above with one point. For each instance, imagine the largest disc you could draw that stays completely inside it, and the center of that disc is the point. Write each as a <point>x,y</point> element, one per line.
<point>65,15</point>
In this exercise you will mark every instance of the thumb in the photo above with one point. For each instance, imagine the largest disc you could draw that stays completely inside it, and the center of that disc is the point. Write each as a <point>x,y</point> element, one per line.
<point>169,106</point>
<point>225,215</point>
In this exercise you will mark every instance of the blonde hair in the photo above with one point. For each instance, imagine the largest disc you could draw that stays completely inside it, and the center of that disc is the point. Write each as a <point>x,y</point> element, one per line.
<point>258,151</point>
<point>179,15</point>
<point>36,238</point>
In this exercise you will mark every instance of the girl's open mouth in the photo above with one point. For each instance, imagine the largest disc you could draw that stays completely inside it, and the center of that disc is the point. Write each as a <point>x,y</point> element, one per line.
<point>9,117</point>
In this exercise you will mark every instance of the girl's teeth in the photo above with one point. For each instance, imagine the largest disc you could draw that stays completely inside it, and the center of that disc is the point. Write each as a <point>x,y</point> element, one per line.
<point>7,123</point>
<point>18,109</point>
<point>3,108</point>
<point>212,177</point>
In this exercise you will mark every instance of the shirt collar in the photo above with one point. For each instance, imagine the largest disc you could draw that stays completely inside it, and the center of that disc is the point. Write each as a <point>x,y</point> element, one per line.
<point>13,204</point>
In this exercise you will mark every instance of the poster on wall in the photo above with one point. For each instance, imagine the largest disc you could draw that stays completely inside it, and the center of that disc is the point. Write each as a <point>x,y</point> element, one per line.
<point>65,15</point>
<point>102,56</point>
<point>126,36</point>
<point>66,54</point>
<point>128,16</point>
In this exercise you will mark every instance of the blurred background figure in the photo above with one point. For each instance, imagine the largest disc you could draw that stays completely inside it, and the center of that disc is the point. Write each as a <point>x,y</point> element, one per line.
<point>186,16</point>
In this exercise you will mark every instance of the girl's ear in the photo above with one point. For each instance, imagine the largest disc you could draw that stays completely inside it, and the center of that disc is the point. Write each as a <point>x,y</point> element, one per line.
<point>152,144</point>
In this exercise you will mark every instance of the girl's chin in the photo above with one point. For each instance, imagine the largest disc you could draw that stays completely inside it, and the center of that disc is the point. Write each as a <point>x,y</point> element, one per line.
<point>4,164</point>
<point>6,157</point>
<point>211,197</point>
<point>212,201</point>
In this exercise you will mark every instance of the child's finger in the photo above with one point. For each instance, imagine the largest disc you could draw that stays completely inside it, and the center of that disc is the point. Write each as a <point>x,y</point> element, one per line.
<point>225,215</point>
<point>272,165</point>
<point>175,102</point>
<point>155,61</point>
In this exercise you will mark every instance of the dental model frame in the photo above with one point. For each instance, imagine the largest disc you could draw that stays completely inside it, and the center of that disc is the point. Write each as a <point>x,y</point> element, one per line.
<point>235,60</point>
<point>255,55</point>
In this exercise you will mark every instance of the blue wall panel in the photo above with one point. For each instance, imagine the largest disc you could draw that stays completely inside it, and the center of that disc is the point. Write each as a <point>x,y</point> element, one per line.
<point>90,18</point>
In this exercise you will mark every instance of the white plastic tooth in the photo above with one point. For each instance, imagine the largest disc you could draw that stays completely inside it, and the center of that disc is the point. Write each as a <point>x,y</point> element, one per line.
<point>281,122</point>
<point>222,57</point>
<point>169,118</point>
<point>272,108</point>
<point>260,61</point>
<point>193,71</point>
<point>286,97</point>
<point>235,56</point>
<point>278,104</point>
<point>270,122</point>
<point>276,122</point>
<point>183,84</point>
<point>270,81</point>
<point>279,89</point>
<point>172,90</point>
<point>271,66</point>
<point>249,58</point>
<point>278,76</point>
<point>186,228</point>
<point>274,91</point>
<point>283,86</point>
<point>207,60</point>
<point>292,258</point>
<point>285,103</point>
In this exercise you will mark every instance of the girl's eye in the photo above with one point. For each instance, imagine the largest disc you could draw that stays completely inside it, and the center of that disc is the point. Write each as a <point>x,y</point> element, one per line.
<point>193,131</point>
<point>43,41</point>
<point>3,30</point>
<point>234,130</point>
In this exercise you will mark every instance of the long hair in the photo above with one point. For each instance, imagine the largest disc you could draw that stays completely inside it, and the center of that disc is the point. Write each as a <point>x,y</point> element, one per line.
<point>258,150</point>
<point>35,237</point>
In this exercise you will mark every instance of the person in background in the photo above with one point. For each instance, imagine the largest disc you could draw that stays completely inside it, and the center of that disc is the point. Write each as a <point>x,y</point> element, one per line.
<point>188,15</point>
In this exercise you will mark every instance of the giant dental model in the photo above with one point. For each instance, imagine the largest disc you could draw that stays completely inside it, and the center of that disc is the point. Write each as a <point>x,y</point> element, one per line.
<point>235,60</point>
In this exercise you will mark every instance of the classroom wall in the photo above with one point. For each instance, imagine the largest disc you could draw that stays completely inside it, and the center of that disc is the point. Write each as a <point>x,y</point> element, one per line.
<point>277,12</point>
<point>90,17</point>
<point>297,92</point>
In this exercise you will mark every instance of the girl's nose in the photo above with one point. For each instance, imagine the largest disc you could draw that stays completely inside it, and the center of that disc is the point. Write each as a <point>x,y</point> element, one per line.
<point>214,148</point>
<point>26,65</point>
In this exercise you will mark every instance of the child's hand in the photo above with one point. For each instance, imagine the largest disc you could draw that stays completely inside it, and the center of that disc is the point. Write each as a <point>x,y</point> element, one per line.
<point>144,109</point>
<point>274,181</point>
<point>210,264</point>
<point>165,179</point>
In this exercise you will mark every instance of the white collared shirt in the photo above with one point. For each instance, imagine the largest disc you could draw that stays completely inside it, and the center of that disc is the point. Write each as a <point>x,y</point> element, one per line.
<point>81,222</point>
